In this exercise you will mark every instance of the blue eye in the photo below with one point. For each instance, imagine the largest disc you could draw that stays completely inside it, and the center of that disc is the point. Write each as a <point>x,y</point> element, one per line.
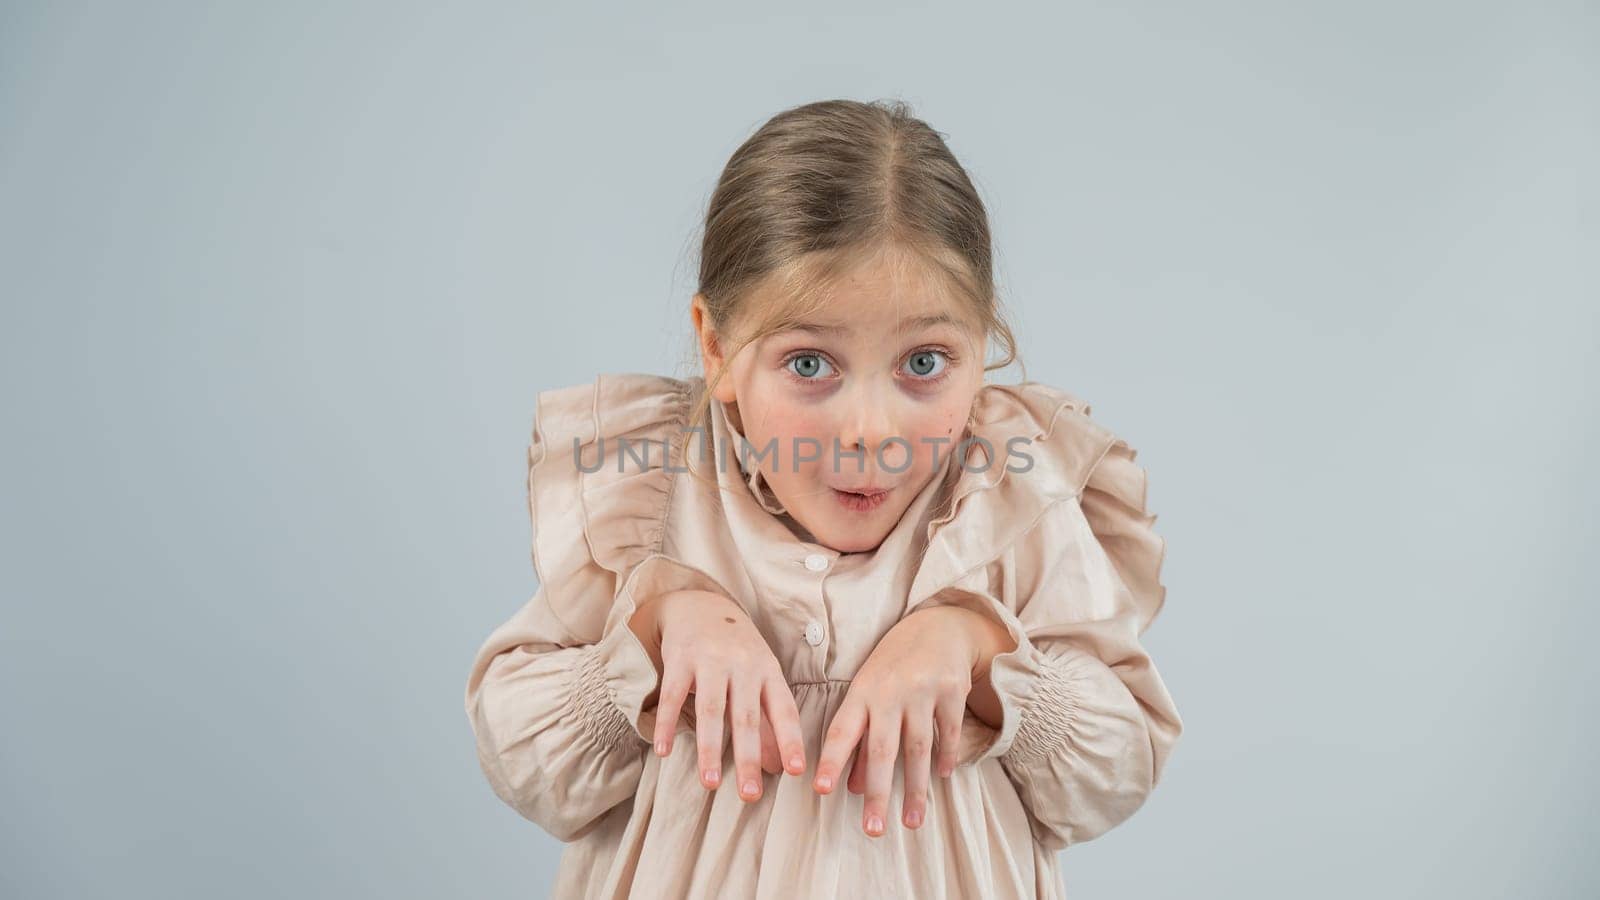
<point>925,363</point>
<point>808,366</point>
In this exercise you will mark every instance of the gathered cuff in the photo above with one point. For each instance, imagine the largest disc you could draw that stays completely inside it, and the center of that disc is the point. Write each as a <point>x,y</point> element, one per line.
<point>610,684</point>
<point>1045,694</point>
<point>1040,696</point>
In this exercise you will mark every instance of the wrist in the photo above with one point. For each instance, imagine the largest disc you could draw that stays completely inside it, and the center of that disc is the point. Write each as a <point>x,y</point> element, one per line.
<point>983,701</point>
<point>652,614</point>
<point>647,628</point>
<point>987,636</point>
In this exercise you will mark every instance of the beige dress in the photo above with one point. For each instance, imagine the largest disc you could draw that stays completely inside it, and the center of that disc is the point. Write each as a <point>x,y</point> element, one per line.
<point>561,697</point>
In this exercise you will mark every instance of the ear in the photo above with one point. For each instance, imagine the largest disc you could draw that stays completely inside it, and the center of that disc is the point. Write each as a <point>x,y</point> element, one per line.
<point>711,351</point>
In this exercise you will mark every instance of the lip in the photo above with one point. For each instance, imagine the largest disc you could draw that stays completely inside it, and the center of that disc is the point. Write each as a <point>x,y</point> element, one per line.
<point>862,500</point>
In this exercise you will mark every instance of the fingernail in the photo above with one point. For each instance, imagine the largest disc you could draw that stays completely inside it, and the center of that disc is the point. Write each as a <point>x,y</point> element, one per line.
<point>824,782</point>
<point>797,762</point>
<point>712,775</point>
<point>661,748</point>
<point>749,789</point>
<point>874,824</point>
<point>914,818</point>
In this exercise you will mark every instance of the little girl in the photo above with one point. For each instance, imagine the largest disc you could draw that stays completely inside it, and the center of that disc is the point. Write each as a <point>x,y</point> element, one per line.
<point>839,558</point>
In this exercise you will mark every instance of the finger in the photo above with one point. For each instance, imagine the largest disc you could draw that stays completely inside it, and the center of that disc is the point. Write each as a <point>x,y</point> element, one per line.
<point>858,770</point>
<point>770,761</point>
<point>710,699</point>
<point>674,690</point>
<point>883,749</point>
<point>917,737</point>
<point>843,733</point>
<point>948,714</point>
<point>744,713</point>
<point>785,722</point>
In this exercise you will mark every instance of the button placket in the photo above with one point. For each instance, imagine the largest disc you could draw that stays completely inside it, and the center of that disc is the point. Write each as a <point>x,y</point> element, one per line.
<point>814,631</point>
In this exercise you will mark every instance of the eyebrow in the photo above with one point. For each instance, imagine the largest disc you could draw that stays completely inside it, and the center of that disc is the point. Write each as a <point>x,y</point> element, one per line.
<point>913,323</point>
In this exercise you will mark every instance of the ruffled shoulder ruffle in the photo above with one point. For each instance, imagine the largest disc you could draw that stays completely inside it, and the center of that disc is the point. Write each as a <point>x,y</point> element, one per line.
<point>1113,500</point>
<point>1032,446</point>
<point>600,474</point>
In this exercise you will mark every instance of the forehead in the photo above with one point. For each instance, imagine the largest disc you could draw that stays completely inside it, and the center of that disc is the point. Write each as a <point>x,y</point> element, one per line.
<point>886,296</point>
<point>912,322</point>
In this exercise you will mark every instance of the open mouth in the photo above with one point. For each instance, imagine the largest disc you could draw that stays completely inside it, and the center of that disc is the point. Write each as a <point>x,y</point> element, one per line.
<point>860,501</point>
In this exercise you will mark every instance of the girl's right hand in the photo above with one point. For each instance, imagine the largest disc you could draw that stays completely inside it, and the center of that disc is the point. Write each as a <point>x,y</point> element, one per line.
<point>705,644</point>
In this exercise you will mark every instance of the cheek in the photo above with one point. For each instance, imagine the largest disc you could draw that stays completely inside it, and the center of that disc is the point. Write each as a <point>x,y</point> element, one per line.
<point>795,434</point>
<point>787,426</point>
<point>769,416</point>
<point>934,432</point>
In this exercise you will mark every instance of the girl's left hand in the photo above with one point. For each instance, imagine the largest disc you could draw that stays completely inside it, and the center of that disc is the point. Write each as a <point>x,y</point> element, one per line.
<point>916,681</point>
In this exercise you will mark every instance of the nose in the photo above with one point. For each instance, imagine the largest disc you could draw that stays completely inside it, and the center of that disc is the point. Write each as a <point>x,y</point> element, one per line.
<point>868,427</point>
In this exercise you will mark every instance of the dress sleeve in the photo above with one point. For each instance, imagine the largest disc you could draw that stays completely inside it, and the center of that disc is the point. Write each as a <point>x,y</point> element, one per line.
<point>561,696</point>
<point>1088,723</point>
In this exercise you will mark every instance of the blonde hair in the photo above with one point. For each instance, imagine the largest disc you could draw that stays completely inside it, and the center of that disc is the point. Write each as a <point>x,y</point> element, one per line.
<point>820,189</point>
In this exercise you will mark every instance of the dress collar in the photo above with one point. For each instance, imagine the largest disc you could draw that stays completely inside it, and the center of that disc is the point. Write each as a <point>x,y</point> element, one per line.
<point>730,455</point>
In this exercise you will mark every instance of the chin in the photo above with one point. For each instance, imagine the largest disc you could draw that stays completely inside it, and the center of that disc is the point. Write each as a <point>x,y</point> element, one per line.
<point>848,542</point>
<point>857,546</point>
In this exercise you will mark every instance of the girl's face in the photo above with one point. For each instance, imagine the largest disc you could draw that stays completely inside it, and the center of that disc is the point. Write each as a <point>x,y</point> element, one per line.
<point>871,393</point>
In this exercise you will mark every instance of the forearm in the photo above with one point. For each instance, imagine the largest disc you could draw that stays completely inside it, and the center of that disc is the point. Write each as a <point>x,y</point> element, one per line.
<point>1088,740</point>
<point>554,724</point>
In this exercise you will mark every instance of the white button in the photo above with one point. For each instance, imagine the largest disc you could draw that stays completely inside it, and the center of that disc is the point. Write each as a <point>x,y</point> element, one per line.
<point>816,562</point>
<point>813,633</point>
